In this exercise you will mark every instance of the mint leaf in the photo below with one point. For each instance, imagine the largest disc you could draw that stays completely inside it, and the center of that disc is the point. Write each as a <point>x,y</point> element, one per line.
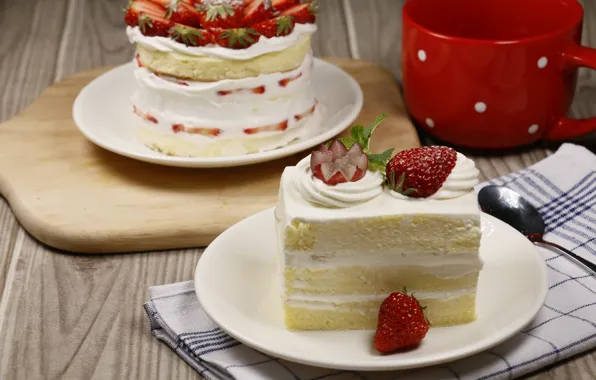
<point>367,132</point>
<point>379,161</point>
<point>348,142</point>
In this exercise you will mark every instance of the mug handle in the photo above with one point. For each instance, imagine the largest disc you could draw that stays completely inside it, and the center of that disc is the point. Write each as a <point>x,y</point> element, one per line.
<point>565,128</point>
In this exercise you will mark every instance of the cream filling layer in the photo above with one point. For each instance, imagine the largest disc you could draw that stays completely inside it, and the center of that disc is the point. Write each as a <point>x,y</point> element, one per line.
<point>263,46</point>
<point>434,263</point>
<point>333,302</point>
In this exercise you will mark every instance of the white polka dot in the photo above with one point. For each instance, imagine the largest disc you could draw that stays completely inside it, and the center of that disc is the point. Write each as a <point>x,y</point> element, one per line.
<point>542,62</point>
<point>480,107</point>
<point>430,123</point>
<point>533,129</point>
<point>422,55</point>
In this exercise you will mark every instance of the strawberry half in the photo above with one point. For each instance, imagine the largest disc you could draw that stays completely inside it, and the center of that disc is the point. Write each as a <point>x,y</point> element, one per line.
<point>190,36</point>
<point>220,15</point>
<point>255,12</point>
<point>303,13</point>
<point>280,5</point>
<point>401,323</point>
<point>338,164</point>
<point>239,38</point>
<point>279,26</point>
<point>181,12</point>
<point>420,172</point>
<point>149,17</point>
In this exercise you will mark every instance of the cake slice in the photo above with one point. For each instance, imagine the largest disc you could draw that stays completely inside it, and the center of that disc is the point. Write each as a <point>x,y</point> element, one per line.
<point>354,227</point>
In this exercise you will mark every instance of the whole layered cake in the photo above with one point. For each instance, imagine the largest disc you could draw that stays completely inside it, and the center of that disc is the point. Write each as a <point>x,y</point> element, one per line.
<point>217,78</point>
<point>371,240</point>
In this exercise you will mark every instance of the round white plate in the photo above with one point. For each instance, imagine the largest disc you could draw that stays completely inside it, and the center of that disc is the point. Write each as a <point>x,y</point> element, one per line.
<point>236,283</point>
<point>103,113</point>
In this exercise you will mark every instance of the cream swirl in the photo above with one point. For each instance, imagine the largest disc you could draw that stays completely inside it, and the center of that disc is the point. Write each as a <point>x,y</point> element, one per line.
<point>263,46</point>
<point>460,181</point>
<point>341,195</point>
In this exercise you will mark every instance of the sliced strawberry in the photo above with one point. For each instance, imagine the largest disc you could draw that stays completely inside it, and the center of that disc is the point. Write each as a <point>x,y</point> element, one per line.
<point>224,92</point>
<point>138,59</point>
<point>255,12</point>
<point>211,132</point>
<point>239,38</point>
<point>420,172</point>
<point>401,323</point>
<point>280,5</point>
<point>149,17</point>
<point>146,116</point>
<point>150,118</point>
<point>303,13</point>
<point>280,127</point>
<point>190,36</point>
<point>258,90</point>
<point>276,27</point>
<point>305,114</point>
<point>337,164</point>
<point>220,15</point>
<point>284,82</point>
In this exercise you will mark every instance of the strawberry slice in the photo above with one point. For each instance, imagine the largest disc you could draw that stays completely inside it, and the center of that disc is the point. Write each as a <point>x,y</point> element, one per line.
<point>239,38</point>
<point>138,60</point>
<point>310,111</point>
<point>220,15</point>
<point>280,5</point>
<point>149,17</point>
<point>210,132</point>
<point>286,81</point>
<point>255,12</point>
<point>190,36</point>
<point>276,27</point>
<point>303,13</point>
<point>337,164</point>
<point>401,323</point>
<point>280,127</point>
<point>147,116</point>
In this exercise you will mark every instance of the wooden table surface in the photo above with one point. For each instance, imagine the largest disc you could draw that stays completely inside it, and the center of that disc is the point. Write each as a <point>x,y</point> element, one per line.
<point>65,316</point>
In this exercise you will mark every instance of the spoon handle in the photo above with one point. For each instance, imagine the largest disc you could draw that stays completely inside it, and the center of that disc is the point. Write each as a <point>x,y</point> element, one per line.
<point>591,267</point>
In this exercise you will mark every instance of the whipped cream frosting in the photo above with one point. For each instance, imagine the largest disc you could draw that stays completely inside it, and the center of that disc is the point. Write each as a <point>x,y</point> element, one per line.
<point>460,181</point>
<point>199,104</point>
<point>341,195</point>
<point>263,46</point>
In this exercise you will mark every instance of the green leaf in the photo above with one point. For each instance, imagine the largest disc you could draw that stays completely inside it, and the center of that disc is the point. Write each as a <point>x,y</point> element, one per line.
<point>367,133</point>
<point>348,142</point>
<point>379,161</point>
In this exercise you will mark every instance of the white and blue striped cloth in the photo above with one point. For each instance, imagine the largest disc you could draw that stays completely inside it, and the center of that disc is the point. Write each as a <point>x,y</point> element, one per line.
<point>562,186</point>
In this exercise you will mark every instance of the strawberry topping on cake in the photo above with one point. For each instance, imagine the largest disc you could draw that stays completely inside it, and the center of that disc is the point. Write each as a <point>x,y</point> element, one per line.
<point>348,159</point>
<point>234,24</point>
<point>420,172</point>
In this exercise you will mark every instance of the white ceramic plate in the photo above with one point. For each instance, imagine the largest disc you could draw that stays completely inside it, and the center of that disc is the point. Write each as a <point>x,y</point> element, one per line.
<point>103,113</point>
<point>236,277</point>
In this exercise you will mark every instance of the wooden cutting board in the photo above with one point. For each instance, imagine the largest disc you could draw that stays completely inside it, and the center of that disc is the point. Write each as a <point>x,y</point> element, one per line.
<point>75,196</point>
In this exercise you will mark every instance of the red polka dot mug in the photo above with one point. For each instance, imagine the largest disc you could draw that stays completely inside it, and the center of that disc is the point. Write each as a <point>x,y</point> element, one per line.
<point>494,74</point>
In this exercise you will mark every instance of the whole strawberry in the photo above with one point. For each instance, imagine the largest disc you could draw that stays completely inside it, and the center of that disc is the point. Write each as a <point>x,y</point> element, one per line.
<point>420,172</point>
<point>401,323</point>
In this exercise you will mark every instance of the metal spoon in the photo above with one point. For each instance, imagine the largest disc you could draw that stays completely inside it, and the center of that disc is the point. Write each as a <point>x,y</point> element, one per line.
<point>507,205</point>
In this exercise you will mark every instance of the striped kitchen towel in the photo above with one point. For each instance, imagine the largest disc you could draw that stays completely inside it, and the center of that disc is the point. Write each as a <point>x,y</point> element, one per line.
<point>562,186</point>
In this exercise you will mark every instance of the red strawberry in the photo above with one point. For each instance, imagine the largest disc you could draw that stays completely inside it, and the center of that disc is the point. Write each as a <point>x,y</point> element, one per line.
<point>210,132</point>
<point>306,113</point>
<point>303,13</point>
<point>149,17</point>
<point>420,172</point>
<point>190,36</point>
<point>270,128</point>
<point>279,26</point>
<point>138,59</point>
<point>280,5</point>
<point>256,11</point>
<point>239,38</point>
<point>181,12</point>
<point>284,82</point>
<point>401,323</point>
<point>220,15</point>
<point>258,90</point>
<point>338,164</point>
